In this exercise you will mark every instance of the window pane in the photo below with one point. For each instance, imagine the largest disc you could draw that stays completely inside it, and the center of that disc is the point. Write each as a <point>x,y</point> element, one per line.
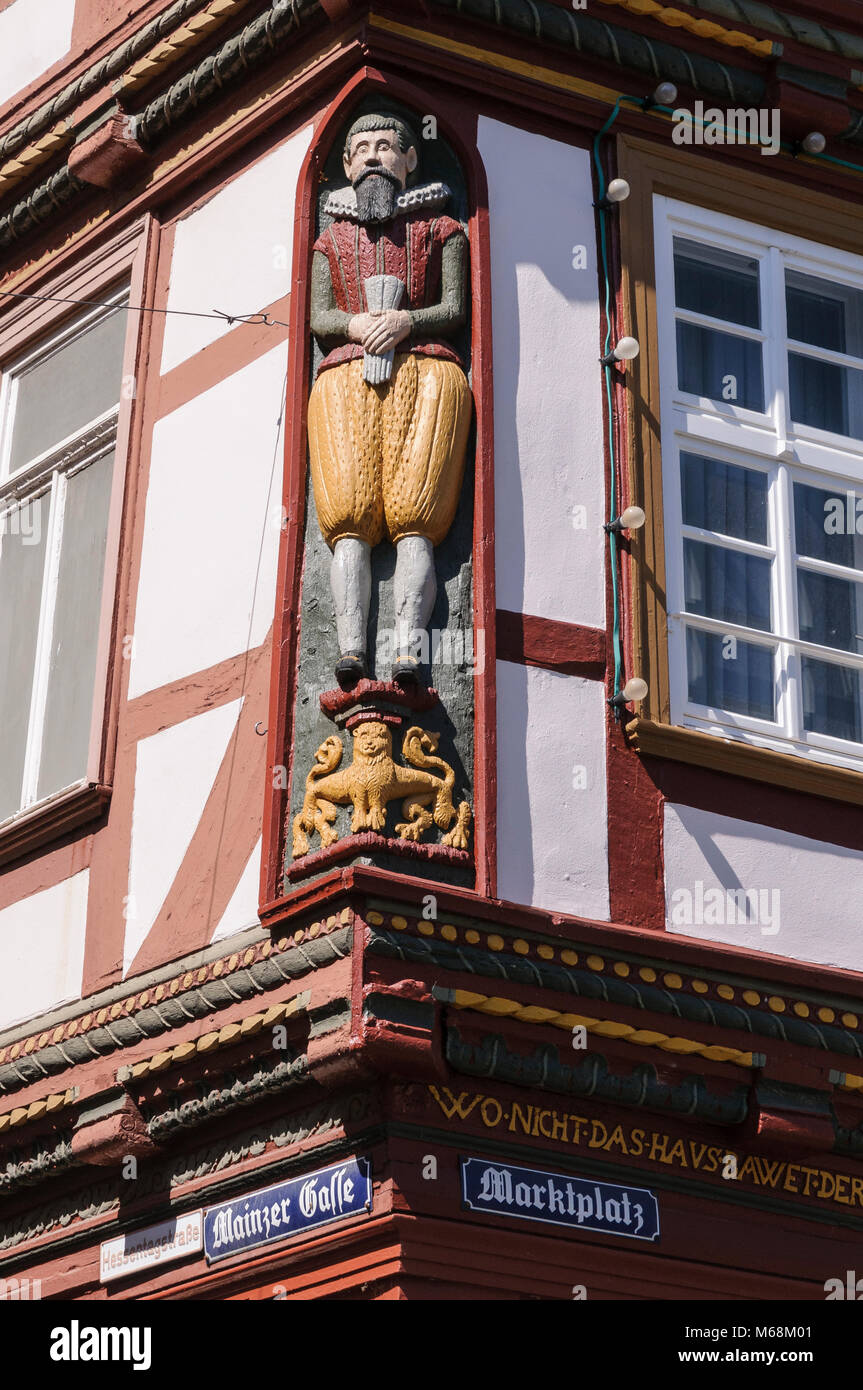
<point>729,674</point>
<point>826,395</point>
<point>719,366</point>
<point>61,393</point>
<point>22,563</point>
<point>710,281</point>
<point>831,699</point>
<point>823,313</point>
<point>830,610</point>
<point>69,708</point>
<point>726,584</point>
<point>825,522</point>
<point>722,497</point>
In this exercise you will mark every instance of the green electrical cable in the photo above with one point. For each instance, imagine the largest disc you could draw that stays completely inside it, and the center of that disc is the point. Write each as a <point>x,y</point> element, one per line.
<point>617,646</point>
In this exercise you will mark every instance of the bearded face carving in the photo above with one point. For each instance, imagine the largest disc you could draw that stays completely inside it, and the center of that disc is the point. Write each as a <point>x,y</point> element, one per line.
<point>376,191</point>
<point>390,410</point>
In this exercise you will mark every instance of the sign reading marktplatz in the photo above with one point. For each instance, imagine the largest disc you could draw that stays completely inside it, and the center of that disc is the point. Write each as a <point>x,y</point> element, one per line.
<point>538,1195</point>
<point>315,1199</point>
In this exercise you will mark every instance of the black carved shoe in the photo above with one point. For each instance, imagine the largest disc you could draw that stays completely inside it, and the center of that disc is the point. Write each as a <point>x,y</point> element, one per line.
<point>351,668</point>
<point>406,671</point>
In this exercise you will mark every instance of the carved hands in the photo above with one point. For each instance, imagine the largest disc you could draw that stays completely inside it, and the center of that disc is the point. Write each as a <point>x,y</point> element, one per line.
<point>380,333</point>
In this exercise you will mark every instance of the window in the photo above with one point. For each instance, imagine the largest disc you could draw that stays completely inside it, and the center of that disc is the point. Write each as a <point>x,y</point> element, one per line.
<point>760,338</point>
<point>59,407</point>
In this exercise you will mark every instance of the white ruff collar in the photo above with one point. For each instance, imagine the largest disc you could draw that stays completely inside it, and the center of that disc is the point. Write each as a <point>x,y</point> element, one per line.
<point>342,202</point>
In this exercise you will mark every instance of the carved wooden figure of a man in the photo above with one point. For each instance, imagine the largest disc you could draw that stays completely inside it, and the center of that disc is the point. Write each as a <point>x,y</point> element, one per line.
<point>390,411</point>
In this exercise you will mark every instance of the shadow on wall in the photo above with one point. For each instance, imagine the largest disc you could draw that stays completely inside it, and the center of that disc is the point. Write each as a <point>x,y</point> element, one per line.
<point>761,888</point>
<point>546,350</point>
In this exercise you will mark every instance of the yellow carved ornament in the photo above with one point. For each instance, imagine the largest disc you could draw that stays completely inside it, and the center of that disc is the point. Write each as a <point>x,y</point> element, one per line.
<point>374,779</point>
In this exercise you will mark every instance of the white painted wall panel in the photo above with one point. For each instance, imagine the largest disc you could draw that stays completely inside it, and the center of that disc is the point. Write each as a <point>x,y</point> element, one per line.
<point>809,890</point>
<point>34,35</point>
<point>234,253</point>
<point>211,530</point>
<point>174,775</point>
<point>547,378</point>
<point>42,950</point>
<point>552,844</point>
<point>242,910</point>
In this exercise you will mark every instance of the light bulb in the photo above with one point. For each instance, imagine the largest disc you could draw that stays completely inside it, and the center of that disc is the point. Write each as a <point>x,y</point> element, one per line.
<point>814,142</point>
<point>635,689</point>
<point>618,190</point>
<point>665,94</point>
<point>629,520</point>
<point>626,349</point>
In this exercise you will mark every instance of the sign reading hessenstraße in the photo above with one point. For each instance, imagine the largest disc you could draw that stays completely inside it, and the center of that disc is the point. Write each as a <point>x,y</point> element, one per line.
<point>156,1245</point>
<point>537,1195</point>
<point>345,1189</point>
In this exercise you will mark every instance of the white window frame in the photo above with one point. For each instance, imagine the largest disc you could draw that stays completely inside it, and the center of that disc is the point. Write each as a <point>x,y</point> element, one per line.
<point>47,475</point>
<point>28,327</point>
<point>765,441</point>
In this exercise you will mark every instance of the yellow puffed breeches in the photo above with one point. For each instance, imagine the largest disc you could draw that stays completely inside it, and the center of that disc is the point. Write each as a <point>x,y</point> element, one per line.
<point>389,460</point>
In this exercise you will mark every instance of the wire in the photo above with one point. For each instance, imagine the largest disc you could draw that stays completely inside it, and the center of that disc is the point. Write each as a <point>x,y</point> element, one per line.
<point>794,148</point>
<point>260,318</point>
<point>283,397</point>
<point>617,645</point>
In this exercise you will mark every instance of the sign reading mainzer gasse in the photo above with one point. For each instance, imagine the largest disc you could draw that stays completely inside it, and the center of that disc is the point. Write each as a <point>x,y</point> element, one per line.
<point>280,1211</point>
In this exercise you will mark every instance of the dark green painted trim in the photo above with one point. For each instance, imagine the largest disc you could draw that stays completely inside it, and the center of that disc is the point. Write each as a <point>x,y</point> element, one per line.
<point>587,984</point>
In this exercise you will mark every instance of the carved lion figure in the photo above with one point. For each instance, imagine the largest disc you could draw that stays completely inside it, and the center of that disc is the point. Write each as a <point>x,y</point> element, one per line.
<point>372,780</point>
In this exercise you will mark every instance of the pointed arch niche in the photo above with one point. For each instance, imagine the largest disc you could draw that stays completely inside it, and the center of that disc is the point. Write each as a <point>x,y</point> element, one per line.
<point>301,670</point>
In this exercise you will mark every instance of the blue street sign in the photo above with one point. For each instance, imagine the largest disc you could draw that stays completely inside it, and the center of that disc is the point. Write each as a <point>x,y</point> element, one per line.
<point>315,1199</point>
<point>537,1195</point>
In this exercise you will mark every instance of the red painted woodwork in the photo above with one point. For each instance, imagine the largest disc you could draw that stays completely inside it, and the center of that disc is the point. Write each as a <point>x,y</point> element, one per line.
<point>365,840</point>
<point>108,1142</point>
<point>335,702</point>
<point>569,648</point>
<point>337,10</point>
<point>110,157</point>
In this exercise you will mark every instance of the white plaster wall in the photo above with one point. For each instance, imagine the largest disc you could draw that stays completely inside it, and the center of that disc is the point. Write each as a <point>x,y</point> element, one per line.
<point>552,841</point>
<point>34,34</point>
<point>819,887</point>
<point>547,378</point>
<point>234,253</point>
<point>42,950</point>
<point>211,529</point>
<point>174,775</point>
<point>242,910</point>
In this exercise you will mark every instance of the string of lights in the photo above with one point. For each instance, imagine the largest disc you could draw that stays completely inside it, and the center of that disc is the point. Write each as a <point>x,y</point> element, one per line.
<point>609,195</point>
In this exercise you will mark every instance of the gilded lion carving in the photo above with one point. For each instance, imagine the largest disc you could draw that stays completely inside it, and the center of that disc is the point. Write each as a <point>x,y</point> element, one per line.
<point>372,780</point>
